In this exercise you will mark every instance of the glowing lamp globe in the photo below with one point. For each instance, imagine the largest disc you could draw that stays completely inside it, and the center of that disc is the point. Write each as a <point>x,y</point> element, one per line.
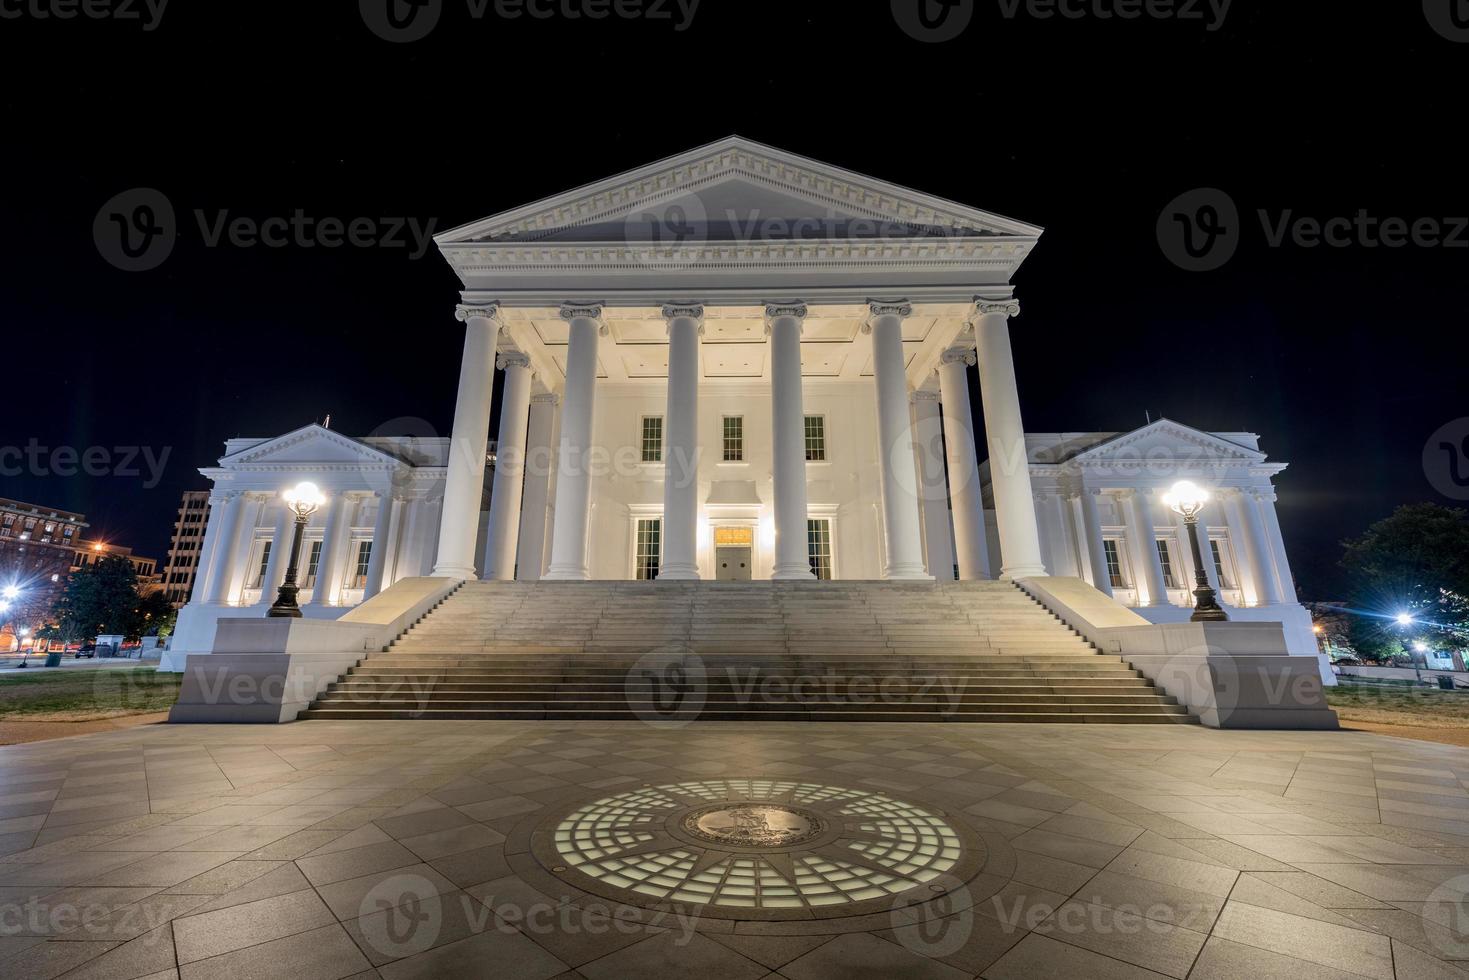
<point>1186,498</point>
<point>304,499</point>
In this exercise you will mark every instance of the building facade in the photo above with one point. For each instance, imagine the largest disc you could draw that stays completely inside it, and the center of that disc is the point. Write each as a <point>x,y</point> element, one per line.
<point>182,562</point>
<point>733,364</point>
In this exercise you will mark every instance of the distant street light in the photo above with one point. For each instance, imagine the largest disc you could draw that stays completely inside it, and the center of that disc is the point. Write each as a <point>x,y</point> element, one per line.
<point>1187,499</point>
<point>1405,619</point>
<point>304,499</point>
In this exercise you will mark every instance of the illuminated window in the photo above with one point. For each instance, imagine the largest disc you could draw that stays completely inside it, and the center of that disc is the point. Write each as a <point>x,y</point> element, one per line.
<point>1165,557</point>
<point>364,559</point>
<point>815,438</point>
<point>1217,548</point>
<point>818,546</point>
<point>313,563</point>
<point>734,438</point>
<point>1114,563</point>
<point>262,566</point>
<point>649,551</point>
<point>652,438</point>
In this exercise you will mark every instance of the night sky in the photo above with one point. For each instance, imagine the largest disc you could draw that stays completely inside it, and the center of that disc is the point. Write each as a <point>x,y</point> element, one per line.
<point>1345,359</point>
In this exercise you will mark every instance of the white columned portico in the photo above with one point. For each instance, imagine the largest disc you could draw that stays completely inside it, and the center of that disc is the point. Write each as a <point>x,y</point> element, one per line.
<point>531,551</point>
<point>280,546</point>
<point>573,477</point>
<point>1095,550</point>
<point>1145,537</point>
<point>377,558</point>
<point>680,543</point>
<point>784,324</point>
<point>895,436</point>
<point>932,487</point>
<point>465,480</point>
<point>503,537</point>
<point>1020,543</point>
<point>970,537</point>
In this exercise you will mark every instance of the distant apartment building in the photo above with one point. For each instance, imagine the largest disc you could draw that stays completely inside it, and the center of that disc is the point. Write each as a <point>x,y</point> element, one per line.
<point>182,562</point>
<point>90,552</point>
<point>36,542</point>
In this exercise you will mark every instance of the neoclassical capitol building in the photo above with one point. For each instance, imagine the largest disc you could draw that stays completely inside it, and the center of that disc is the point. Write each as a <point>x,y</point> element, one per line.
<point>733,365</point>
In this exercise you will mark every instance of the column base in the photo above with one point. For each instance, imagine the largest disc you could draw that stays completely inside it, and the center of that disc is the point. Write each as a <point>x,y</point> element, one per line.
<point>1022,571</point>
<point>452,571</point>
<point>907,573</point>
<point>555,574</point>
<point>679,573</point>
<point>793,573</point>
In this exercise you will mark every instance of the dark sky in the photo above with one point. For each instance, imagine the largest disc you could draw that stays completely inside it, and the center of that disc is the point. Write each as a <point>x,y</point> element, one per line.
<point>1344,359</point>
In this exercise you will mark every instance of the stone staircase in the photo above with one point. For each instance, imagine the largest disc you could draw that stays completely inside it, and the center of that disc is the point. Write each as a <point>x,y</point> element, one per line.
<point>773,651</point>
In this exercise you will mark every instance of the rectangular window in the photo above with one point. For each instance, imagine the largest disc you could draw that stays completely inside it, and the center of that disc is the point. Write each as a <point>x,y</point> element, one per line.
<point>68,531</point>
<point>734,438</point>
<point>818,547</point>
<point>815,438</point>
<point>1217,549</point>
<point>9,519</point>
<point>262,566</point>
<point>1169,581</point>
<point>364,558</point>
<point>649,551</point>
<point>313,563</point>
<point>1114,563</point>
<point>652,438</point>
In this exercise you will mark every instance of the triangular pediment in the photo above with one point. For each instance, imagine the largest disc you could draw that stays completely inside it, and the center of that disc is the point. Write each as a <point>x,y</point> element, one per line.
<point>737,190</point>
<point>310,445</point>
<point>1166,439</point>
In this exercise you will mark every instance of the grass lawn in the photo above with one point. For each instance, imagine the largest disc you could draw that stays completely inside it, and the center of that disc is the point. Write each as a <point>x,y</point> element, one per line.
<point>81,694</point>
<point>1400,704</point>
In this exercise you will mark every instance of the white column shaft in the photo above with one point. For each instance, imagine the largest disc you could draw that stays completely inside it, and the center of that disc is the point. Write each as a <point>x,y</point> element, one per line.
<point>895,451</point>
<point>1095,548</point>
<point>1262,559</point>
<point>1145,550</point>
<point>681,450</point>
<point>938,549</point>
<point>465,480</point>
<point>280,552</point>
<point>792,559</point>
<point>377,559</point>
<point>503,538</point>
<point>530,553</point>
<point>573,478</point>
<point>327,588</point>
<point>217,557</point>
<point>965,499</point>
<point>1284,580</point>
<point>1020,543</point>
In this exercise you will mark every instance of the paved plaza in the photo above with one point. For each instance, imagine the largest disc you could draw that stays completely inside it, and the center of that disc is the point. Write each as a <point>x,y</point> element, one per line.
<point>398,849</point>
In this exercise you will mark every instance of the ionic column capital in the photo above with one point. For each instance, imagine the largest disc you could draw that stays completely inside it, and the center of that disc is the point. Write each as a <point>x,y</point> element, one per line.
<point>487,311</point>
<point>511,359</point>
<point>573,311</point>
<point>673,312</point>
<point>877,310</point>
<point>986,307</point>
<point>774,311</point>
<point>959,355</point>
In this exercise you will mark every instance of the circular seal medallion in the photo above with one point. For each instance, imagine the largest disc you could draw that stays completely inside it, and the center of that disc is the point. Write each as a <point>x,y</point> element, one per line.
<point>753,825</point>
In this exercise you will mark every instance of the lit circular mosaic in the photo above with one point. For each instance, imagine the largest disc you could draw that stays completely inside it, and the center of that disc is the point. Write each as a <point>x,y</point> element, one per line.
<point>768,844</point>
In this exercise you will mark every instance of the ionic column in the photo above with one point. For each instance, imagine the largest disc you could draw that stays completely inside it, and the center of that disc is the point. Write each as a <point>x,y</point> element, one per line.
<point>325,591</point>
<point>933,494</point>
<point>895,441</point>
<point>531,551</point>
<point>1265,502</point>
<point>377,559</point>
<point>1145,551</point>
<point>503,537</point>
<point>681,445</point>
<point>465,481</point>
<point>783,325</point>
<point>1262,558</point>
<point>573,478</point>
<point>1095,551</point>
<point>216,561</point>
<point>1020,542</point>
<point>970,537</point>
<point>280,546</point>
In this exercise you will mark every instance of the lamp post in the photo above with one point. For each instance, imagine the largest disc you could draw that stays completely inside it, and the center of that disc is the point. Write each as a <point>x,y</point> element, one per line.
<point>1187,499</point>
<point>304,499</point>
